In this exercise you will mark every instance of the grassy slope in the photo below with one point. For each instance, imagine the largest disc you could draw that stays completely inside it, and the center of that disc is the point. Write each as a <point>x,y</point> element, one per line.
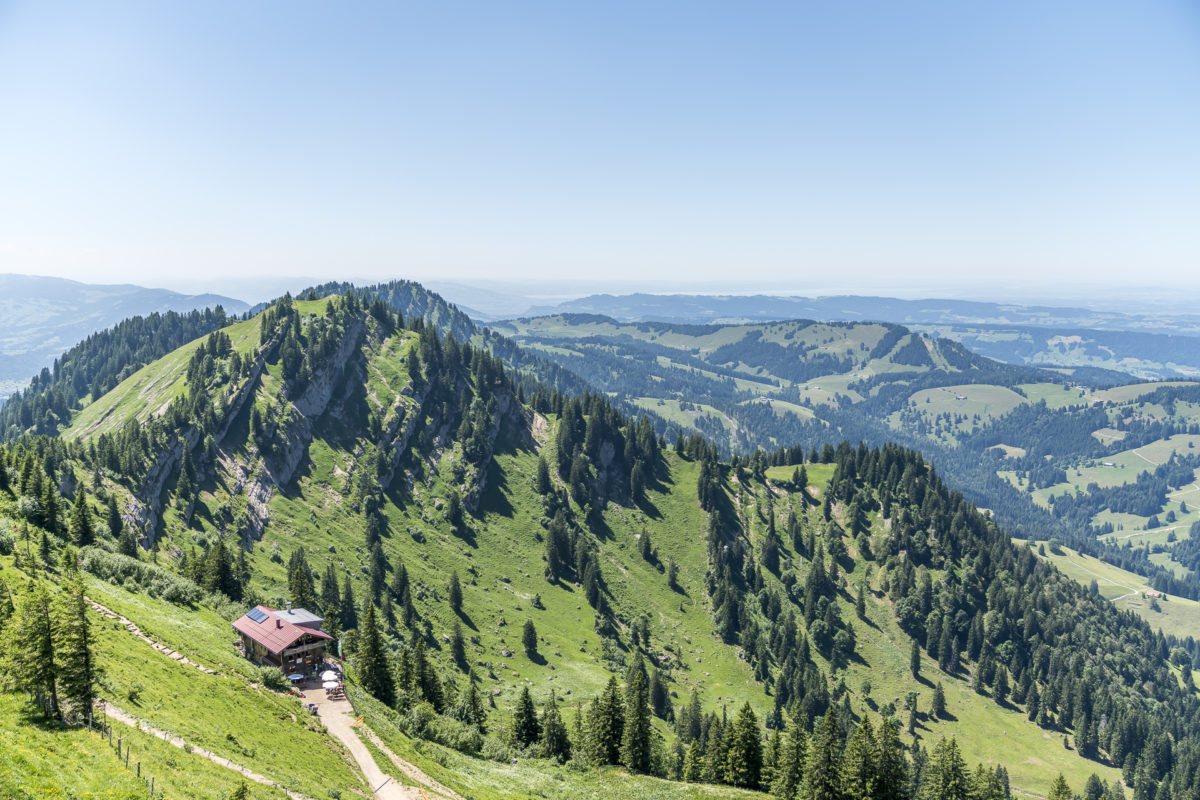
<point>501,567</point>
<point>1176,615</point>
<point>45,760</point>
<point>226,714</point>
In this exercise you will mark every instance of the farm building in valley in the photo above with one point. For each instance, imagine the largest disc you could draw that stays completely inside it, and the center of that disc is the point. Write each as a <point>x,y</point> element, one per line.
<point>290,639</point>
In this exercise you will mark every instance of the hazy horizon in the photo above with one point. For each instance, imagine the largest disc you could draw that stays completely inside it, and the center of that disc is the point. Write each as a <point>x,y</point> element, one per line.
<point>928,148</point>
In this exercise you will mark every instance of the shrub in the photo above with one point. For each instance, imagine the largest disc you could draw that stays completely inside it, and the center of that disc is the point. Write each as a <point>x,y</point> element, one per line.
<point>496,750</point>
<point>273,679</point>
<point>134,574</point>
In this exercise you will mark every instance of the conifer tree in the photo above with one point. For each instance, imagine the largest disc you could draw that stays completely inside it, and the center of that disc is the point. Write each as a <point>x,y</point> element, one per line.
<point>331,596</point>
<point>822,772</point>
<point>541,483</point>
<point>377,571</point>
<point>529,639</point>
<point>770,759</point>
<point>743,762</point>
<point>891,774</point>
<point>938,704</point>
<point>374,671</point>
<point>607,724</point>
<point>127,543</point>
<point>400,588</point>
<point>300,582</point>
<point>29,658</point>
<point>75,644</point>
<point>1000,685</point>
<point>349,608</point>
<point>635,742</point>
<point>458,648</point>
<point>80,525</point>
<point>946,774</point>
<point>693,763</point>
<point>914,659</point>
<point>554,740</point>
<point>715,754</point>
<point>455,593</point>
<point>793,758</point>
<point>525,726</point>
<point>859,762</point>
<point>1059,790</point>
<point>50,508</point>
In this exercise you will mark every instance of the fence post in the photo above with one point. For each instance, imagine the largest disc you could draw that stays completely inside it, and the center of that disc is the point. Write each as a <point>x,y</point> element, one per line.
<point>139,767</point>
<point>151,787</point>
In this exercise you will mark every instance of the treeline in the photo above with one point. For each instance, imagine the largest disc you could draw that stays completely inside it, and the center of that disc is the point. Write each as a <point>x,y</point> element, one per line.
<point>97,364</point>
<point>409,299</point>
<point>1144,497</point>
<point>47,646</point>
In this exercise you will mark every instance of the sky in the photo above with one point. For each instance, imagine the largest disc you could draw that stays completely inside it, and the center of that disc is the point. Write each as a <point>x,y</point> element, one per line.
<point>807,144</point>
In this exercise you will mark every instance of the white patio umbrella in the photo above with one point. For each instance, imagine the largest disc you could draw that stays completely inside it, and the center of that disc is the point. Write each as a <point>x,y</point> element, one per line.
<point>329,685</point>
<point>329,675</point>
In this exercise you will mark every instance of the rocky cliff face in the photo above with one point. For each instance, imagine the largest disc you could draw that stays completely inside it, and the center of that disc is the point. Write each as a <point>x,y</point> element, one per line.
<point>259,480</point>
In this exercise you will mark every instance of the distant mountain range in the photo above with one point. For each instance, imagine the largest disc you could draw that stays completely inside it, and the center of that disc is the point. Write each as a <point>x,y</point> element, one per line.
<point>45,316</point>
<point>726,309</point>
<point>1145,346</point>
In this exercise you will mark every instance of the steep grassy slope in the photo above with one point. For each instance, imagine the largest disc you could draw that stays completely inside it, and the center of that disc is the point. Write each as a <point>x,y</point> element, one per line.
<point>379,430</point>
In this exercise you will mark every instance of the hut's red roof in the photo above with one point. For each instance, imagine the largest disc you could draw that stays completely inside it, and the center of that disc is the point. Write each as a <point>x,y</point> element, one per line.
<point>272,632</point>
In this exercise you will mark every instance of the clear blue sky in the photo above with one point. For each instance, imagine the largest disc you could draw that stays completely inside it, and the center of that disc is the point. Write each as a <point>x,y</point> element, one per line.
<point>880,142</point>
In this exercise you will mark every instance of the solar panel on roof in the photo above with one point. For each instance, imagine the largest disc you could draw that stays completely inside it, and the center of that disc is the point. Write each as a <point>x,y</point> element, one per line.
<point>256,614</point>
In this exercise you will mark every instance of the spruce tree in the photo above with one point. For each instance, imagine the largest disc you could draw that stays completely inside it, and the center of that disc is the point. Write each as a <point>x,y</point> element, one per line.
<point>554,740</point>
<point>914,659</point>
<point>127,543</point>
<point>377,571</point>
<point>529,639</point>
<point>331,596</point>
<point>693,763</point>
<point>822,773</point>
<point>374,671</point>
<point>635,742</point>
<point>455,593</point>
<point>1059,790</point>
<point>946,774</point>
<point>458,647</point>
<point>80,525</point>
<point>349,608</point>
<point>793,758</point>
<point>743,762</point>
<point>525,726</point>
<point>541,483</point>
<point>76,647</point>
<point>29,662</point>
<point>859,762</point>
<point>938,704</point>
<point>607,724</point>
<point>1000,685</point>
<point>770,759</point>
<point>891,774</point>
<point>300,582</point>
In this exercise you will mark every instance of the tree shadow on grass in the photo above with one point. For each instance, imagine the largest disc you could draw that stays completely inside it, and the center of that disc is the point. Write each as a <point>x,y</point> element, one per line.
<point>495,495</point>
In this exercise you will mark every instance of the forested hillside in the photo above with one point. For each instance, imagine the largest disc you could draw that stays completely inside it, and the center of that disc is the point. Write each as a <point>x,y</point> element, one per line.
<point>1001,433</point>
<point>519,572</point>
<point>44,316</point>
